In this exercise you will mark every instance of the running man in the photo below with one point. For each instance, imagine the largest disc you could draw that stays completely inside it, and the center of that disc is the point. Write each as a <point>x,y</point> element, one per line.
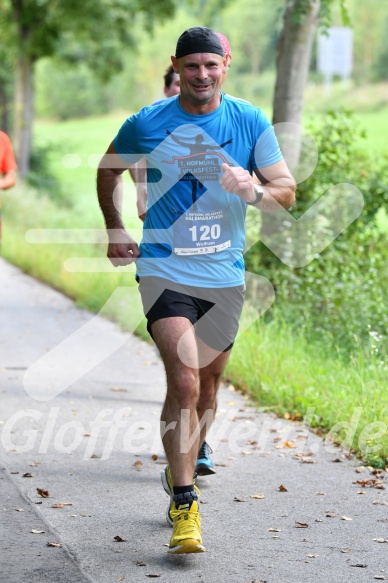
<point>190,263</point>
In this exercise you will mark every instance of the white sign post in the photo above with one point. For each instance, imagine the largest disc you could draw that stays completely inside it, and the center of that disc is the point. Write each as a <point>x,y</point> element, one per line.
<point>335,55</point>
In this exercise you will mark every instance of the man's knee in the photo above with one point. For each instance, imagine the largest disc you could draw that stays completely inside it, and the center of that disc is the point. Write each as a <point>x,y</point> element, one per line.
<point>184,388</point>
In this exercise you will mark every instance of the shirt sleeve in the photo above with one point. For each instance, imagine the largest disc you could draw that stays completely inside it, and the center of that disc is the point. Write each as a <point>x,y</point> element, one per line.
<point>267,150</point>
<point>126,141</point>
<point>7,160</point>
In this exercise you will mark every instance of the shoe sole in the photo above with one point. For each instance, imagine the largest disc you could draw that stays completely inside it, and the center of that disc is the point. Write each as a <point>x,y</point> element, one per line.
<point>165,485</point>
<point>166,488</point>
<point>187,546</point>
<point>204,470</point>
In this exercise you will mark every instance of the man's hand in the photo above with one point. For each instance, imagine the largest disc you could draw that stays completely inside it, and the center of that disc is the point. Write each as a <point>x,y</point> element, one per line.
<point>238,181</point>
<point>122,249</point>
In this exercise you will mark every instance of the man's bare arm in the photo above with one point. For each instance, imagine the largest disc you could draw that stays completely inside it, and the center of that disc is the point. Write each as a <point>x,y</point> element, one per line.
<point>278,185</point>
<point>8,180</point>
<point>138,174</point>
<point>122,249</point>
<point>276,182</point>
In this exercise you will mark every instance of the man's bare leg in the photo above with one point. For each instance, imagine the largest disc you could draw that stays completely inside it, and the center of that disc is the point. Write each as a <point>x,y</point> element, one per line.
<point>210,378</point>
<point>182,394</point>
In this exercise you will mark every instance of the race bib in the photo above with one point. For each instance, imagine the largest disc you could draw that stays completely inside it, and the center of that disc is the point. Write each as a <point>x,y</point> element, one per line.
<point>197,233</point>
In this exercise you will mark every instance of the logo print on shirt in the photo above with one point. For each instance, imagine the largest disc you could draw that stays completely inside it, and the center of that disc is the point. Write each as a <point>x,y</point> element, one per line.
<point>203,163</point>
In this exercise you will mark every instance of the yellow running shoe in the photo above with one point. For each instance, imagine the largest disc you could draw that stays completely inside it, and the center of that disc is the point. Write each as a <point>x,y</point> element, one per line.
<point>186,536</point>
<point>168,488</point>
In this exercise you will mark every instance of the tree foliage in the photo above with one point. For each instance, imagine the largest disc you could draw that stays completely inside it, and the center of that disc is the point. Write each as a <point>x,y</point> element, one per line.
<point>97,32</point>
<point>339,293</point>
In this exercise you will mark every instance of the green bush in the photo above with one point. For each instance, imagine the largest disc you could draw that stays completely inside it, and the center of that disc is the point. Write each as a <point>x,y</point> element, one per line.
<point>42,176</point>
<point>337,296</point>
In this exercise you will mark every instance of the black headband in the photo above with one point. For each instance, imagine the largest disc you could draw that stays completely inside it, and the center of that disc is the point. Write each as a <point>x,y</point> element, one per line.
<point>198,40</point>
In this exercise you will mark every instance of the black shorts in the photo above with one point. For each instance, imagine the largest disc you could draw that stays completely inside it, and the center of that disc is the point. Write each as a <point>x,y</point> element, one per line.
<point>214,312</point>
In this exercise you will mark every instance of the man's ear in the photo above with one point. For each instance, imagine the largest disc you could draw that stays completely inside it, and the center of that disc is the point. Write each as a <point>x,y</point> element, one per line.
<point>174,62</point>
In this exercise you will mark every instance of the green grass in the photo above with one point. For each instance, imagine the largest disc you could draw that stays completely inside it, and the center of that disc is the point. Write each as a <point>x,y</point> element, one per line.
<point>280,370</point>
<point>368,103</point>
<point>290,376</point>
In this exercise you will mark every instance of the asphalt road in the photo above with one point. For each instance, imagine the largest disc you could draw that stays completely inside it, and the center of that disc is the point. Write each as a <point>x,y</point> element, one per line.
<point>80,459</point>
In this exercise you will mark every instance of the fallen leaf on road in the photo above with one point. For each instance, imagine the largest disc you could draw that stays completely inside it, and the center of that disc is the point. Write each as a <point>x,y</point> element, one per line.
<point>154,457</point>
<point>371,483</point>
<point>362,565</point>
<point>257,496</point>
<point>94,456</point>
<point>141,564</point>
<point>360,469</point>
<point>289,444</point>
<point>37,531</point>
<point>118,390</point>
<point>56,545</point>
<point>237,499</point>
<point>282,489</point>
<point>19,509</point>
<point>274,530</point>
<point>380,540</point>
<point>346,551</point>
<point>154,575</point>
<point>301,525</point>
<point>118,539</point>
<point>43,493</point>
<point>27,475</point>
<point>247,452</point>
<point>346,518</point>
<point>330,515</point>
<point>318,520</point>
<point>381,577</point>
<point>381,502</point>
<point>312,556</point>
<point>138,464</point>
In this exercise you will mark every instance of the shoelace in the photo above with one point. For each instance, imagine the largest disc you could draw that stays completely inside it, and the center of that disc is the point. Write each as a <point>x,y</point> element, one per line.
<point>185,521</point>
<point>204,450</point>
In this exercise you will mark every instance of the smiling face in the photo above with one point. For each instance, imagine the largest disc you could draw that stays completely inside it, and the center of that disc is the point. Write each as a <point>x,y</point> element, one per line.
<point>201,76</point>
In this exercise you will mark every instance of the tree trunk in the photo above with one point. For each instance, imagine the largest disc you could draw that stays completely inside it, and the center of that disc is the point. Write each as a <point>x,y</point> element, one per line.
<point>292,65</point>
<point>4,108</point>
<point>24,111</point>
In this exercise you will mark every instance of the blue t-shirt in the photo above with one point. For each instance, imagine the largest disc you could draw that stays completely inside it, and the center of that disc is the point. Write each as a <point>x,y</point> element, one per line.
<point>194,230</point>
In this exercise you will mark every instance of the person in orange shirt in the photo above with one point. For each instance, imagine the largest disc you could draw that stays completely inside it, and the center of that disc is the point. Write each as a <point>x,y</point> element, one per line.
<point>7,166</point>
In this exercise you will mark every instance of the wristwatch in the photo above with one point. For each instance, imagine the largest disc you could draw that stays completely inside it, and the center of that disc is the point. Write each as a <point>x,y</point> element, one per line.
<point>259,192</point>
